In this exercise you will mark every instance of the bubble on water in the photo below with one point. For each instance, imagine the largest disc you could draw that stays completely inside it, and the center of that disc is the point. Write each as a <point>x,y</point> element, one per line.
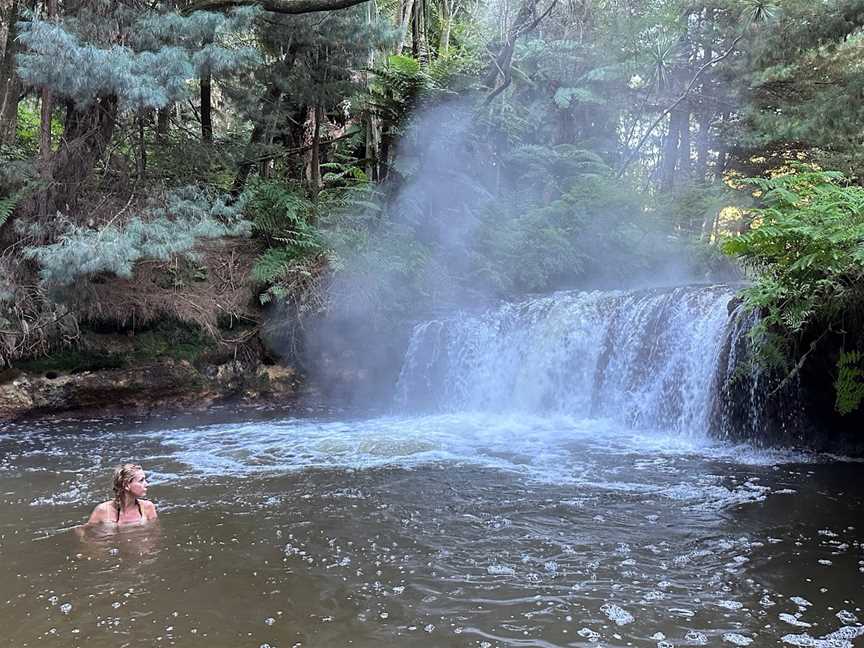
<point>429,627</point>
<point>737,639</point>
<point>846,617</point>
<point>66,608</point>
<point>616,614</point>
<point>269,621</point>
<point>53,600</point>
<point>766,601</point>
<point>697,638</point>
<point>500,570</point>
<point>800,602</point>
<point>791,619</point>
<point>825,561</point>
<point>551,566</point>
<point>828,533</point>
<point>658,636</point>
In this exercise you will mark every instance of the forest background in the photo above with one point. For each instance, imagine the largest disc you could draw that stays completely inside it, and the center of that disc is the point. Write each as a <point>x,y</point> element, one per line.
<point>237,179</point>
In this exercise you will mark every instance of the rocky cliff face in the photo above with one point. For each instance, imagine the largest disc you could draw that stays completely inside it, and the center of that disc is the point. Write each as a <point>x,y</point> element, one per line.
<point>139,388</point>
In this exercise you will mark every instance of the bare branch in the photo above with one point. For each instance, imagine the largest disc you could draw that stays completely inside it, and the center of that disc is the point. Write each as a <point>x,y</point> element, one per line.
<point>677,103</point>
<point>504,61</point>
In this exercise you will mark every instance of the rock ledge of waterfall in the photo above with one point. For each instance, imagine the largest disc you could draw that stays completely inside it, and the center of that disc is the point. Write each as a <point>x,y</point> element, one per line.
<point>139,388</point>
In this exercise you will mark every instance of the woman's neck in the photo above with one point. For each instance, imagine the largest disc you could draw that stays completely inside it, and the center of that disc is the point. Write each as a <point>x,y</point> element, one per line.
<point>127,501</point>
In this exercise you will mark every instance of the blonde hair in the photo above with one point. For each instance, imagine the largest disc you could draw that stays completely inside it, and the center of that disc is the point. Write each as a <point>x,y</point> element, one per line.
<point>123,476</point>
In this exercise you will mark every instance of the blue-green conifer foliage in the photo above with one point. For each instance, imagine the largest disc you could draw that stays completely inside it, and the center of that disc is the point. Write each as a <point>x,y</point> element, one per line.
<point>161,55</point>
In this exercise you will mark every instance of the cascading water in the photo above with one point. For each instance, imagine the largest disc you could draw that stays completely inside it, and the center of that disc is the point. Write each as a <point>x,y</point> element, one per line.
<point>651,358</point>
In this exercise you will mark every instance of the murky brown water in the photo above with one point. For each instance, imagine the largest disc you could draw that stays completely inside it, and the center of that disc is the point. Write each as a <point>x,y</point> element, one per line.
<point>460,530</point>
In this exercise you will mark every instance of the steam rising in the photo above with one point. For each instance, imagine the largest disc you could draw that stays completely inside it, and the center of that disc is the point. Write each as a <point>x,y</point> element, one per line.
<point>464,221</point>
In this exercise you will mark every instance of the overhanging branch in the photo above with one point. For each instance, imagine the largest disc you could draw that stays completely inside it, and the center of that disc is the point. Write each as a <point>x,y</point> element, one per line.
<point>276,6</point>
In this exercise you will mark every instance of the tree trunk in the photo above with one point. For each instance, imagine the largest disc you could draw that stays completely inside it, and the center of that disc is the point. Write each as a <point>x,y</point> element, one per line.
<point>406,11</point>
<point>685,167</point>
<point>703,146</point>
<point>259,135</point>
<point>419,48</point>
<point>45,203</point>
<point>446,21</point>
<point>163,122</point>
<point>86,135</point>
<point>10,84</point>
<point>246,166</point>
<point>372,122</point>
<point>315,176</point>
<point>669,161</point>
<point>47,106</point>
<point>142,147</point>
<point>206,108</point>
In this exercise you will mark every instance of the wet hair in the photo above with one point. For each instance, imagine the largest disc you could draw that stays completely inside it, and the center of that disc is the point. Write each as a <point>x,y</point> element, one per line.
<point>123,476</point>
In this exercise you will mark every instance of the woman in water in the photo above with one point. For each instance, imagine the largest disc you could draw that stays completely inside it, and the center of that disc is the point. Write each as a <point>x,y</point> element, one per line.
<point>128,505</point>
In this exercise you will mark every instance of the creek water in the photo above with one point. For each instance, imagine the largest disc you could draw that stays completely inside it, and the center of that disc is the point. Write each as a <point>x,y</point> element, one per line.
<point>504,510</point>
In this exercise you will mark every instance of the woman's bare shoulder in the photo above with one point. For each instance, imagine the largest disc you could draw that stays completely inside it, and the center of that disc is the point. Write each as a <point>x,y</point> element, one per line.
<point>102,513</point>
<point>148,508</point>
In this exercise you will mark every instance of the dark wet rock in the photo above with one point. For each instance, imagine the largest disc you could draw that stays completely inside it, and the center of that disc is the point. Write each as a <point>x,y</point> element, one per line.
<point>144,387</point>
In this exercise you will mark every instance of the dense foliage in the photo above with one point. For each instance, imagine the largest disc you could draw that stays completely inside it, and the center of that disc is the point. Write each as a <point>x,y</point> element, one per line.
<point>394,159</point>
<point>806,248</point>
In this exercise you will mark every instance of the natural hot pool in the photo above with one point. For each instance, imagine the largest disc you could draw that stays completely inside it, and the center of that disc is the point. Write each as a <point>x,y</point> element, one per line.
<point>442,530</point>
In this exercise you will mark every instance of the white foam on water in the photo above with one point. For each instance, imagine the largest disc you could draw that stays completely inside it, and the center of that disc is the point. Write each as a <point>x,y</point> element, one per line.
<point>556,448</point>
<point>737,639</point>
<point>791,619</point>
<point>616,614</point>
<point>806,641</point>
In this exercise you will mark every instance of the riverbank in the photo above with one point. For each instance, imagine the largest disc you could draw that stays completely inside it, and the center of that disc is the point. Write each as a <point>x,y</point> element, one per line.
<point>168,364</point>
<point>141,388</point>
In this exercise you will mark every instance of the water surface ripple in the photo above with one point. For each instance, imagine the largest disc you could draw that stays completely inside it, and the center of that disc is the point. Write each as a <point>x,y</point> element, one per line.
<point>464,529</point>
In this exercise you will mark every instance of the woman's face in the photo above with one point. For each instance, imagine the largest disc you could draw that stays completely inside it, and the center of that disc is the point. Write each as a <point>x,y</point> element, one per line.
<point>138,486</point>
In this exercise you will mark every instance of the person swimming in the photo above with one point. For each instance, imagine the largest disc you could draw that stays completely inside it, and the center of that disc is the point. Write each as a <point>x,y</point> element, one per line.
<point>128,505</point>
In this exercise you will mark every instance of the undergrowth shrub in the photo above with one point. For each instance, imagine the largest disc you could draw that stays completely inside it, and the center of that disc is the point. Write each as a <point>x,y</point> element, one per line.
<point>188,216</point>
<point>806,253</point>
<point>282,216</point>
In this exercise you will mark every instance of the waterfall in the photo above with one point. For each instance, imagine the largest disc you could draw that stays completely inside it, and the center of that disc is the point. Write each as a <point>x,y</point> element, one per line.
<point>656,359</point>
